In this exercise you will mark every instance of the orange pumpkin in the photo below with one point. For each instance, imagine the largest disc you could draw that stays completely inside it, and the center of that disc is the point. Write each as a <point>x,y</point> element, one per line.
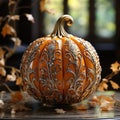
<point>60,68</point>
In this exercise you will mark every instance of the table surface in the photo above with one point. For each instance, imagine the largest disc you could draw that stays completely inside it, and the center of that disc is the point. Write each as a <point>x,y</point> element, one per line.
<point>49,113</point>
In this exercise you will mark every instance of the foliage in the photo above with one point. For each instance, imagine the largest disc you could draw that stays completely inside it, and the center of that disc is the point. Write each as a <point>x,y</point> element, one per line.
<point>12,74</point>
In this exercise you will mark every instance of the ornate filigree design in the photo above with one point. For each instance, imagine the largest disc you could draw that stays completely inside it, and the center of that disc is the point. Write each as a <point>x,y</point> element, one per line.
<point>59,69</point>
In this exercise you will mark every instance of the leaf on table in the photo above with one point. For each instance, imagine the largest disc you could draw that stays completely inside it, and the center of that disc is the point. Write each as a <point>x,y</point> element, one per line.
<point>30,18</point>
<point>115,67</point>
<point>114,85</point>
<point>8,30</point>
<point>60,111</point>
<point>81,107</point>
<point>105,103</point>
<point>16,96</point>
<point>19,107</point>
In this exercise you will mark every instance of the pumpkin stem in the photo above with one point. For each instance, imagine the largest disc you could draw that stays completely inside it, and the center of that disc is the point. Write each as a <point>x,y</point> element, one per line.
<point>59,26</point>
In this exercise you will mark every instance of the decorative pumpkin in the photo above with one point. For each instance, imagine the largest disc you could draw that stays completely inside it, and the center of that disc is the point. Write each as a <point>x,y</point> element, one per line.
<point>60,68</point>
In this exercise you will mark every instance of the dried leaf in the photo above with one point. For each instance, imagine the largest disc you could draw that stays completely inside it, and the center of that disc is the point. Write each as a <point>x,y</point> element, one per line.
<point>16,96</point>
<point>115,67</point>
<point>42,5</point>
<point>16,40</point>
<point>8,30</point>
<point>30,18</point>
<point>15,17</point>
<point>114,85</point>
<point>60,111</point>
<point>2,71</point>
<point>106,102</point>
<point>19,107</point>
<point>12,76</point>
<point>103,86</point>
<point>11,2</point>
<point>2,53</point>
<point>94,101</point>
<point>19,81</point>
<point>81,107</point>
<point>1,104</point>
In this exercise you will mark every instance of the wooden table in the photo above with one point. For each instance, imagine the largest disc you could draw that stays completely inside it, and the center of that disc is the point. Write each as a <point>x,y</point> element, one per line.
<point>39,112</point>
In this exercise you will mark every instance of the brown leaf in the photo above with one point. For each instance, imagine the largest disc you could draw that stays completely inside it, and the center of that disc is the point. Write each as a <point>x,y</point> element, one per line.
<point>94,101</point>
<point>12,76</point>
<point>81,107</point>
<point>2,53</point>
<point>42,5</point>
<point>16,40</point>
<point>114,85</point>
<point>115,67</point>
<point>19,107</point>
<point>11,2</point>
<point>19,81</point>
<point>2,71</point>
<point>30,18</point>
<point>8,30</point>
<point>15,17</point>
<point>106,103</point>
<point>60,111</point>
<point>103,86</point>
<point>16,96</point>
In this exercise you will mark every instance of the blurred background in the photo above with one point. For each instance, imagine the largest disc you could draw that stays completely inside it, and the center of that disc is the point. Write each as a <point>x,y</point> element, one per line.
<point>97,21</point>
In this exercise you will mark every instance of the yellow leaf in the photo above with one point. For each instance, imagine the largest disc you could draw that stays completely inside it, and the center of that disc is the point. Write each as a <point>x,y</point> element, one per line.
<point>115,67</point>
<point>114,85</point>
<point>8,30</point>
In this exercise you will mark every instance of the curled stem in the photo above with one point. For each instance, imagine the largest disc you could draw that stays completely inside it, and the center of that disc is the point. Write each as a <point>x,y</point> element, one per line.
<point>59,30</point>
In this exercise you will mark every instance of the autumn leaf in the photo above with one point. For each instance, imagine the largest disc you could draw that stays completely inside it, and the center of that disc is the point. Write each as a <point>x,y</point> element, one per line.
<point>19,81</point>
<point>81,107</point>
<point>2,71</point>
<point>106,103</point>
<point>60,111</point>
<point>115,67</point>
<point>103,86</point>
<point>11,2</point>
<point>8,30</point>
<point>16,40</point>
<point>15,17</point>
<point>42,5</point>
<point>30,18</point>
<point>16,96</point>
<point>114,85</point>
<point>12,76</point>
